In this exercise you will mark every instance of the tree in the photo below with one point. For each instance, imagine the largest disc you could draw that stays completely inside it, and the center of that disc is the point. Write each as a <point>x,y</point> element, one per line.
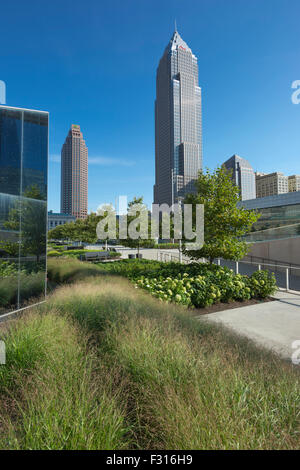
<point>138,221</point>
<point>29,214</point>
<point>224,222</point>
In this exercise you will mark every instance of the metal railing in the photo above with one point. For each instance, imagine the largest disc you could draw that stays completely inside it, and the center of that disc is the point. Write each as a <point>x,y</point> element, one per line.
<point>287,275</point>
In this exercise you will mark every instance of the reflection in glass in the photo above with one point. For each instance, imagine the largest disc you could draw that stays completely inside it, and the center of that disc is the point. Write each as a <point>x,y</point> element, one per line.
<point>23,206</point>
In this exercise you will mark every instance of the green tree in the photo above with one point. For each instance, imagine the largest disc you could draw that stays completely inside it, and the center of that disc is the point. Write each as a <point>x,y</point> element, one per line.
<point>133,219</point>
<point>224,222</point>
<point>29,214</point>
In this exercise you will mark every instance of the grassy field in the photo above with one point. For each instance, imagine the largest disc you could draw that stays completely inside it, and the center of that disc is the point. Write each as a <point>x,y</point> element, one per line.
<point>104,365</point>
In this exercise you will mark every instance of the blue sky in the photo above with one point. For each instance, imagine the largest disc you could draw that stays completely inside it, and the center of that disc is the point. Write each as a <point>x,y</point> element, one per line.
<point>93,63</point>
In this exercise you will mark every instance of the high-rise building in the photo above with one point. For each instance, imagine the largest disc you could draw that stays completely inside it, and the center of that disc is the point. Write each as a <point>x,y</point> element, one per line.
<point>294,183</point>
<point>243,176</point>
<point>74,174</point>
<point>271,184</point>
<point>178,123</point>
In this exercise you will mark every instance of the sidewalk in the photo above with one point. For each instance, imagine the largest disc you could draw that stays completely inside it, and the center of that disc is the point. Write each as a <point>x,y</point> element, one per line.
<point>274,325</point>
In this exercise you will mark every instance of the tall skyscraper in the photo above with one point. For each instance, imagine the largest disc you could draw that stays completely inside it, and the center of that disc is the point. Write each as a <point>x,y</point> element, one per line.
<point>178,123</point>
<point>74,174</point>
<point>243,176</point>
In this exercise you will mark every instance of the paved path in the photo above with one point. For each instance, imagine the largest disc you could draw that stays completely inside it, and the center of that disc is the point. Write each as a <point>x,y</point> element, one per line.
<point>274,325</point>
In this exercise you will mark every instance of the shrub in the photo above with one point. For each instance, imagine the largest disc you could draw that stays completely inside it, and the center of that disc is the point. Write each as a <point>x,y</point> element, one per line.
<point>195,284</point>
<point>54,253</point>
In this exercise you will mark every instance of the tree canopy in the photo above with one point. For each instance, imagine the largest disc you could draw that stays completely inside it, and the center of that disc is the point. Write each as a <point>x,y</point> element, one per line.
<point>224,222</point>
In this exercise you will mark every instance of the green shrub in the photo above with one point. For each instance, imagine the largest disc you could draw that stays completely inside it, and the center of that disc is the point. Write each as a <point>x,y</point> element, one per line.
<point>195,284</point>
<point>8,268</point>
<point>54,253</point>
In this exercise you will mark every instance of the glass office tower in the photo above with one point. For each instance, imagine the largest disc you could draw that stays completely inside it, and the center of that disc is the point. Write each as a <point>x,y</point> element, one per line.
<point>242,175</point>
<point>178,123</point>
<point>23,206</point>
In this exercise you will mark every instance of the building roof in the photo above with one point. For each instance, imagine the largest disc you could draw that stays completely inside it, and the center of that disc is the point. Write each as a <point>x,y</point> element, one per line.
<point>4,106</point>
<point>176,41</point>
<point>236,158</point>
<point>60,214</point>
<point>277,200</point>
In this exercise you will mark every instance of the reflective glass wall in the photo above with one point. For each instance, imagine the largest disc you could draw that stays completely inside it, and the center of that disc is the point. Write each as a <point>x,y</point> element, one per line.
<point>23,207</point>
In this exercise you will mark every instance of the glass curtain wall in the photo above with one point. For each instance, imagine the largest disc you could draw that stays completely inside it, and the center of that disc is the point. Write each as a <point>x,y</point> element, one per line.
<point>23,207</point>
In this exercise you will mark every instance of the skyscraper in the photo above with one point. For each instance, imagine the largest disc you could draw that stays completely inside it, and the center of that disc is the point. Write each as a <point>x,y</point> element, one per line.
<point>178,123</point>
<point>243,176</point>
<point>74,174</point>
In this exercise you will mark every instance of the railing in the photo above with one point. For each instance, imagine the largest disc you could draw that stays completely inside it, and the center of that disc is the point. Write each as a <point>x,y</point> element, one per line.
<point>287,275</point>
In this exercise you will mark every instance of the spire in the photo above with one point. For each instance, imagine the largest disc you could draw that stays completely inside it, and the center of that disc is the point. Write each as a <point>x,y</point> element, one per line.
<point>175,26</point>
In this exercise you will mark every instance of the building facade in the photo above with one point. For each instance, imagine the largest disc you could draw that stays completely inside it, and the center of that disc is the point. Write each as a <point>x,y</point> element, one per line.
<point>23,205</point>
<point>74,174</point>
<point>242,175</point>
<point>178,123</point>
<point>271,184</point>
<point>294,183</point>
<point>279,217</point>
<point>56,218</point>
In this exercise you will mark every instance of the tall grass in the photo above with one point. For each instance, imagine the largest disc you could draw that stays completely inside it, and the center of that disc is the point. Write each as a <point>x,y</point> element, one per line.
<point>103,365</point>
<point>32,285</point>
<point>54,395</point>
<point>191,385</point>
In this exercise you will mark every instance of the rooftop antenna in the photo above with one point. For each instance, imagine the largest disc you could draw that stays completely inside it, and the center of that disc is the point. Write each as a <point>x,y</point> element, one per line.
<point>175,25</point>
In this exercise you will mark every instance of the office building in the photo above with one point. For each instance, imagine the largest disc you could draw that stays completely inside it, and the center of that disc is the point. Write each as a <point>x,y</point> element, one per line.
<point>271,184</point>
<point>178,126</point>
<point>74,174</point>
<point>23,204</point>
<point>56,218</point>
<point>294,183</point>
<point>242,175</point>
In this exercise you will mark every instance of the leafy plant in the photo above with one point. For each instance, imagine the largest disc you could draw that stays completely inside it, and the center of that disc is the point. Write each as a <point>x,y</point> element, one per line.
<point>224,222</point>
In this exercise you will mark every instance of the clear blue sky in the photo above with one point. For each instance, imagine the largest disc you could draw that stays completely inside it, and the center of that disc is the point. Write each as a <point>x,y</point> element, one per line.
<point>94,62</point>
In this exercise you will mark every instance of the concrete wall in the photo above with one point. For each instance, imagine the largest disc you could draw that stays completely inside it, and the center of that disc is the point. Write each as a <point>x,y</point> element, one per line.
<point>287,250</point>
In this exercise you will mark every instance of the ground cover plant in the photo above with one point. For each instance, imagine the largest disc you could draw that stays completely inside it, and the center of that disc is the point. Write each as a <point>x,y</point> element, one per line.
<point>179,382</point>
<point>77,253</point>
<point>196,284</point>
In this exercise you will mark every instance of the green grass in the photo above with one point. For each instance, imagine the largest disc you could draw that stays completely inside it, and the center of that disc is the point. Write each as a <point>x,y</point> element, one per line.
<point>32,285</point>
<point>54,394</point>
<point>191,385</point>
<point>105,365</point>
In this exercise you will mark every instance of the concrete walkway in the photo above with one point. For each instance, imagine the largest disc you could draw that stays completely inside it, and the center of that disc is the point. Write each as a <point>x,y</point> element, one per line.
<point>274,325</point>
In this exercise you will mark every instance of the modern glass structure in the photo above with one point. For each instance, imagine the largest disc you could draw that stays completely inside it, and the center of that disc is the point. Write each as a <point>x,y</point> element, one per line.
<point>242,175</point>
<point>74,174</point>
<point>178,123</point>
<point>23,206</point>
<point>280,217</point>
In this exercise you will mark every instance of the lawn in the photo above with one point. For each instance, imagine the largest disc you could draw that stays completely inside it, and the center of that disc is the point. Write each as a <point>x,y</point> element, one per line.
<point>105,365</point>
